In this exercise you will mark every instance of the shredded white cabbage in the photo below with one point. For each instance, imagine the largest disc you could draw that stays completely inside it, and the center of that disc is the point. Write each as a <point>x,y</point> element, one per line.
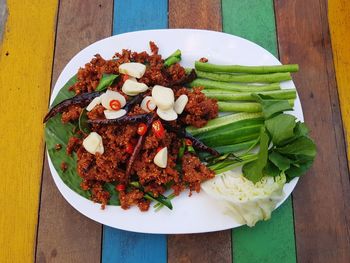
<point>246,202</point>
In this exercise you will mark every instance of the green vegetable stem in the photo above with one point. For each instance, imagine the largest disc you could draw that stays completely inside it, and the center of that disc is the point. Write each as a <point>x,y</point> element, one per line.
<point>173,58</point>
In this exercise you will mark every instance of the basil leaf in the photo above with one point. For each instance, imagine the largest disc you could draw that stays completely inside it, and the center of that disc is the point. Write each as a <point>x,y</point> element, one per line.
<point>281,127</point>
<point>106,81</point>
<point>253,171</point>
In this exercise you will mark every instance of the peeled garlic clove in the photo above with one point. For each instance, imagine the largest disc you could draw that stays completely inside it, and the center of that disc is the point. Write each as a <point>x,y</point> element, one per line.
<point>180,104</point>
<point>110,95</point>
<point>112,114</point>
<point>163,97</point>
<point>96,101</point>
<point>132,88</point>
<point>147,104</point>
<point>167,115</point>
<point>161,158</point>
<point>133,69</point>
<point>93,143</point>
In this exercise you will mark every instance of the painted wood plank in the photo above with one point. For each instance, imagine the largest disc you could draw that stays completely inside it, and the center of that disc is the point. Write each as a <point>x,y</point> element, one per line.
<point>64,235</point>
<point>118,245</point>
<point>26,53</point>
<point>136,15</point>
<point>322,198</point>
<point>271,241</point>
<point>339,23</point>
<point>207,247</point>
<point>130,247</point>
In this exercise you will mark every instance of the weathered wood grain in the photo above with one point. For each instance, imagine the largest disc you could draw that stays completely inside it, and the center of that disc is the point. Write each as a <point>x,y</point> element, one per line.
<point>64,235</point>
<point>322,198</point>
<point>339,23</point>
<point>119,245</point>
<point>26,51</point>
<point>208,247</point>
<point>202,14</point>
<point>271,241</point>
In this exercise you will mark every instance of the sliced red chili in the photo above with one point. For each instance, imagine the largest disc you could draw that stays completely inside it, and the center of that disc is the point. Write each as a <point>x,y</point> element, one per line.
<point>142,129</point>
<point>115,104</point>
<point>158,129</point>
<point>188,142</point>
<point>120,187</point>
<point>129,148</point>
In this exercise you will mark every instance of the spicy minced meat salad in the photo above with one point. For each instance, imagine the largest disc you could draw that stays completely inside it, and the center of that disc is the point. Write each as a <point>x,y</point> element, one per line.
<point>136,109</point>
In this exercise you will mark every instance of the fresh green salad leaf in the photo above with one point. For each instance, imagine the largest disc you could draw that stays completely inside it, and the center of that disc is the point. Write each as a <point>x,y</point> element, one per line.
<point>106,81</point>
<point>281,127</point>
<point>271,106</point>
<point>281,162</point>
<point>254,170</point>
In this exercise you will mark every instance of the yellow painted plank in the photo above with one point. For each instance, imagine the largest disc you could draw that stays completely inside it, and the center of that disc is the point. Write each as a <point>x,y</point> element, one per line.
<point>26,54</point>
<point>339,22</point>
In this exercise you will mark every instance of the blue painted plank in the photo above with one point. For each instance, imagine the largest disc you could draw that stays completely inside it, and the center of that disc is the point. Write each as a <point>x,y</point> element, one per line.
<point>139,15</point>
<point>130,247</point>
<point>119,245</point>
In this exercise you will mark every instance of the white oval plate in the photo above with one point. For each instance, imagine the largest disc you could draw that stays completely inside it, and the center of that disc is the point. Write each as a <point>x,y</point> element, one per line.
<point>198,213</point>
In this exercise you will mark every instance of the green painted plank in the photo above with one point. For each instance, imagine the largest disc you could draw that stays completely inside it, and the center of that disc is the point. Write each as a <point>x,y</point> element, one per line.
<point>273,240</point>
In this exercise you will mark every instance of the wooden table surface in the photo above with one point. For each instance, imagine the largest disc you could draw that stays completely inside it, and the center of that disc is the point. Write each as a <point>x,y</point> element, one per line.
<point>37,38</point>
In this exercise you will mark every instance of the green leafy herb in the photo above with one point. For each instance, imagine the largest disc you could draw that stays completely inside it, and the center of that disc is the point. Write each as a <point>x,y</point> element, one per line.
<point>254,170</point>
<point>106,81</point>
<point>281,127</point>
<point>272,106</point>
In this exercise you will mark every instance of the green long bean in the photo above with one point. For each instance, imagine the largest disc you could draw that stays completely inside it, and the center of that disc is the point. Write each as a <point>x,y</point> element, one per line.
<point>212,84</point>
<point>245,78</point>
<point>208,67</point>
<point>247,96</point>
